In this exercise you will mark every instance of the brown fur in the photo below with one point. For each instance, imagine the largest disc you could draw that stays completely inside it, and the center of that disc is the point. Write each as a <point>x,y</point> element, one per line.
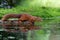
<point>23,17</point>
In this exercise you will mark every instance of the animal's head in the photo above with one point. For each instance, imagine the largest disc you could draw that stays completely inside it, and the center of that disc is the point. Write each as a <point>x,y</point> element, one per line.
<point>34,18</point>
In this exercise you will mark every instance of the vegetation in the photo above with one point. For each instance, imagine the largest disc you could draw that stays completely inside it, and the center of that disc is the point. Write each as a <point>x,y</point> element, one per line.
<point>41,11</point>
<point>25,6</point>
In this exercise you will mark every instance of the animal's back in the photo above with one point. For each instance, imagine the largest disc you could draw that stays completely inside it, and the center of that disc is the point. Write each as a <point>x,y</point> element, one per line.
<point>7,16</point>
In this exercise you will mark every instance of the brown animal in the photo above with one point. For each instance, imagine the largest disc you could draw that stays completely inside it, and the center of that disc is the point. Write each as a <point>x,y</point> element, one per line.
<point>28,19</point>
<point>22,17</point>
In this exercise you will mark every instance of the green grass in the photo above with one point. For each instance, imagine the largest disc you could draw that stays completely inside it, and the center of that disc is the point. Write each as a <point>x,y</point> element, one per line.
<point>35,10</point>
